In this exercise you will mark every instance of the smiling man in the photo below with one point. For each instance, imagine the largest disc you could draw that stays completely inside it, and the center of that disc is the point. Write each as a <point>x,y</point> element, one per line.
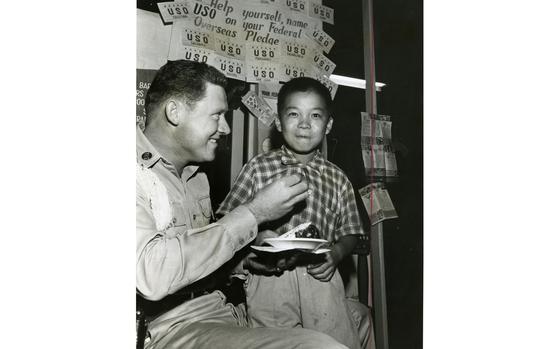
<point>178,248</point>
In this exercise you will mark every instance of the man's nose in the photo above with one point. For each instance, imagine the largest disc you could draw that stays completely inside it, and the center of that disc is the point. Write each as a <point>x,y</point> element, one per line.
<point>223,126</point>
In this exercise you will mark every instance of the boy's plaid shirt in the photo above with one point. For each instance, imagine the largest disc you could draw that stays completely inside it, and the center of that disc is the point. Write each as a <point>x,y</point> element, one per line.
<point>331,205</point>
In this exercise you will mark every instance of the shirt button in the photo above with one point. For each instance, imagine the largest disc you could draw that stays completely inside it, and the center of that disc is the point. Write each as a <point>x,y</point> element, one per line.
<point>146,156</point>
<point>174,220</point>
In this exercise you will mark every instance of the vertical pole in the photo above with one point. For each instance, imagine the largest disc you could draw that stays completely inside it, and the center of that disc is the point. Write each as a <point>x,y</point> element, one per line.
<point>237,139</point>
<point>252,147</point>
<point>377,254</point>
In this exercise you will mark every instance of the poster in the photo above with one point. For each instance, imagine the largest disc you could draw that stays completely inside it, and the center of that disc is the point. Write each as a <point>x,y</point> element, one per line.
<point>378,203</point>
<point>144,78</point>
<point>377,149</point>
<point>253,41</point>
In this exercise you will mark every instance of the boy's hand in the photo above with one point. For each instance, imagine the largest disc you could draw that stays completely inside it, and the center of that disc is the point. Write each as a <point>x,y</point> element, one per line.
<point>324,271</point>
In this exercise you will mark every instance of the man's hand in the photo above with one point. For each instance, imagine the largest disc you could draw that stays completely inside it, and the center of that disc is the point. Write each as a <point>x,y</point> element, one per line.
<point>278,198</point>
<point>253,263</point>
<point>265,234</point>
<point>276,265</point>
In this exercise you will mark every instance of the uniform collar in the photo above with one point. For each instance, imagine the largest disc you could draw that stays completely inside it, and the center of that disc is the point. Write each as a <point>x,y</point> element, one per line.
<point>147,155</point>
<point>317,163</point>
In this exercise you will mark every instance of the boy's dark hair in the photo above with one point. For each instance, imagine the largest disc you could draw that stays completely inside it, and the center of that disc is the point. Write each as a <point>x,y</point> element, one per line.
<point>182,78</point>
<point>304,84</point>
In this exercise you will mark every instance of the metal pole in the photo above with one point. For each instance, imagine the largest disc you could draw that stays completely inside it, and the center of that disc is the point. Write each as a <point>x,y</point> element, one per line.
<point>377,254</point>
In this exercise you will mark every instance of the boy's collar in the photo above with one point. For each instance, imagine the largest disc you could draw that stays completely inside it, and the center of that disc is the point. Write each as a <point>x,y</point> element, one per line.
<point>317,163</point>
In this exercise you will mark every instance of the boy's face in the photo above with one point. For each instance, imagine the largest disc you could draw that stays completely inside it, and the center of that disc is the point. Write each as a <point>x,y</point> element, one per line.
<point>304,122</point>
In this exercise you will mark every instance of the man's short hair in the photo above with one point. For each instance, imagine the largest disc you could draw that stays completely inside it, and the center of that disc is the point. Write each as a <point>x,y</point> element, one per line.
<point>304,84</point>
<point>182,78</point>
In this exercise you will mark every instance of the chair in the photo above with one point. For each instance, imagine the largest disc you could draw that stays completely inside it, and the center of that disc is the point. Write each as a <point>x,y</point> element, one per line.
<point>141,326</point>
<point>362,250</point>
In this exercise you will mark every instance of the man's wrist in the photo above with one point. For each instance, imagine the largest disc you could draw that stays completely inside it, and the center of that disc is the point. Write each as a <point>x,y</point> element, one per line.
<point>254,211</point>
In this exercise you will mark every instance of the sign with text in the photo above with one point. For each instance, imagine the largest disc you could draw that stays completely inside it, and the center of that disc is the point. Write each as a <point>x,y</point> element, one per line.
<point>377,150</point>
<point>278,40</point>
<point>258,107</point>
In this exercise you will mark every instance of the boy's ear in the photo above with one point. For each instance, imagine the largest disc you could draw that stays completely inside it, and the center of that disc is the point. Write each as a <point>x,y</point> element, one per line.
<point>329,125</point>
<point>278,124</point>
<point>172,112</point>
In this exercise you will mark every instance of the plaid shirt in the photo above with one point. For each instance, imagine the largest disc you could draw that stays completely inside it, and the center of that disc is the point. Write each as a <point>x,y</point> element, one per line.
<point>331,206</point>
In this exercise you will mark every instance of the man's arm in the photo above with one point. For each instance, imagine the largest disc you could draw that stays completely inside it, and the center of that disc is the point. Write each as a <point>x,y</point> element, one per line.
<point>167,262</point>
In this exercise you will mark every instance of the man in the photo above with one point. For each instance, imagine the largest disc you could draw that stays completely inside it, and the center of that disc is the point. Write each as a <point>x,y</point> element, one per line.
<point>177,246</point>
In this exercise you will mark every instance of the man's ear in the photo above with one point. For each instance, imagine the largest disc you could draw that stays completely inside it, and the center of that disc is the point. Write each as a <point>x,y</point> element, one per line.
<point>278,124</point>
<point>329,125</point>
<point>172,112</point>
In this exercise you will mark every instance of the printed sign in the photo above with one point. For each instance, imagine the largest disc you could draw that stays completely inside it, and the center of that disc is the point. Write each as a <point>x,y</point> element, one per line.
<point>230,67</point>
<point>296,5</point>
<point>292,70</point>
<point>377,150</point>
<point>262,52</point>
<point>258,107</point>
<point>230,48</point>
<point>323,63</point>
<point>191,37</point>
<point>255,41</point>
<point>144,79</point>
<point>324,13</point>
<point>198,54</point>
<point>378,203</point>
<point>322,39</point>
<point>173,10</point>
<point>262,71</point>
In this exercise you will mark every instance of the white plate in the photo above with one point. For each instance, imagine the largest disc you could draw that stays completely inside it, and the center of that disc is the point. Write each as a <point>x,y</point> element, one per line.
<point>275,249</point>
<point>296,243</point>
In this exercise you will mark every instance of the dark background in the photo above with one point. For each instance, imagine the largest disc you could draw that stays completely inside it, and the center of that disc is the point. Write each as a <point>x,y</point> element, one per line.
<point>398,50</point>
<point>398,63</point>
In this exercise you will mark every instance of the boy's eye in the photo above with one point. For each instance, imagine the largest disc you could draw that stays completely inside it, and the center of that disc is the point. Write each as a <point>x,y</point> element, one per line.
<point>292,114</point>
<point>316,115</point>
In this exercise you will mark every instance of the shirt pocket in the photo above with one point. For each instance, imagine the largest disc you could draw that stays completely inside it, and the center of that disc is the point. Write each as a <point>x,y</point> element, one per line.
<point>205,206</point>
<point>328,218</point>
<point>179,220</point>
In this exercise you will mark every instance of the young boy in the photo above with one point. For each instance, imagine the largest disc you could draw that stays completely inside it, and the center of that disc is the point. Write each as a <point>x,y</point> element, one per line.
<point>309,296</point>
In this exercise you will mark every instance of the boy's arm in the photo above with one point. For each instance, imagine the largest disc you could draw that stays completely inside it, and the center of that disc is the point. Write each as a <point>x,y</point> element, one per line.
<point>343,247</point>
<point>346,242</point>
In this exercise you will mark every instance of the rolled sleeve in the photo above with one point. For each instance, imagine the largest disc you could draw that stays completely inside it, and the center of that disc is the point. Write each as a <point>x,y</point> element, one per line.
<point>170,260</point>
